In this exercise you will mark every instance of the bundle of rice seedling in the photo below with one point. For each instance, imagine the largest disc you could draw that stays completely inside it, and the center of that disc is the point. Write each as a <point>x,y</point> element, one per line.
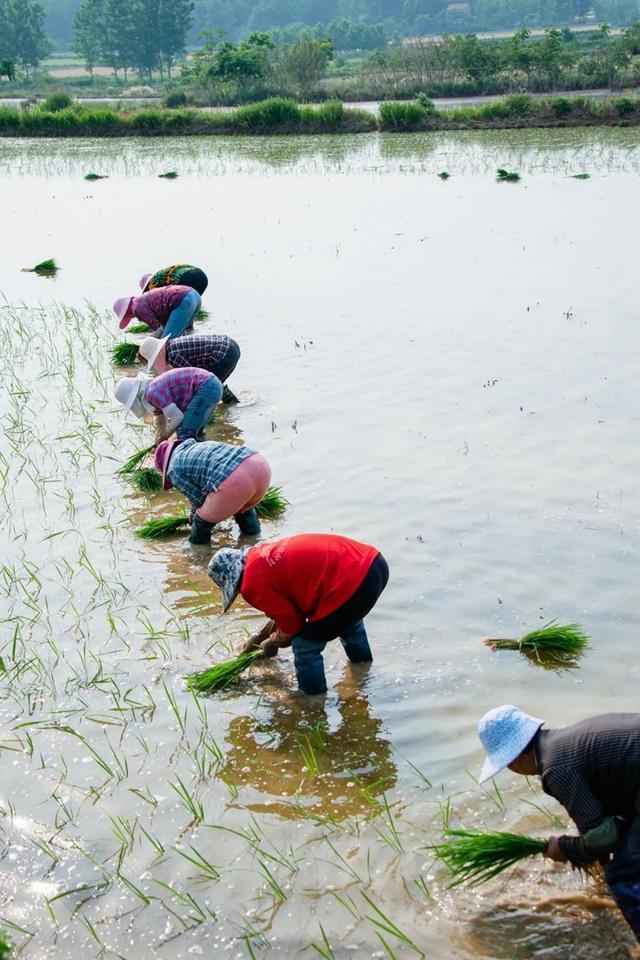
<point>48,267</point>
<point>95,176</point>
<point>147,479</point>
<point>124,354</point>
<point>476,857</point>
<point>272,504</point>
<point>169,175</point>
<point>5,949</point>
<point>162,527</point>
<point>558,641</point>
<point>506,176</point>
<point>130,465</point>
<point>138,328</point>
<point>444,175</point>
<point>202,315</point>
<point>218,677</point>
<point>580,176</point>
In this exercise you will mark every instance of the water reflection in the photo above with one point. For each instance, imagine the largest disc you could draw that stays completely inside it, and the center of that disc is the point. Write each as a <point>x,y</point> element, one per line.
<point>307,762</point>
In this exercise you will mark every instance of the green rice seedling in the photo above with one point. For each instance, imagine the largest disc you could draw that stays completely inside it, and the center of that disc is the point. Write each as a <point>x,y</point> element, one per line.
<point>475,857</point>
<point>124,354</point>
<point>580,176</point>
<point>272,505</point>
<point>162,527</point>
<point>169,175</point>
<point>202,315</point>
<point>46,267</point>
<point>561,642</point>
<point>131,464</point>
<point>138,328</point>
<point>95,176</point>
<point>5,949</point>
<point>220,676</point>
<point>147,479</point>
<point>444,175</point>
<point>506,176</point>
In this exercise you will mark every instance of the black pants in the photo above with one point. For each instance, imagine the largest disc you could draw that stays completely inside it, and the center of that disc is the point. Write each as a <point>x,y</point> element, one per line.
<point>196,279</point>
<point>225,367</point>
<point>352,610</point>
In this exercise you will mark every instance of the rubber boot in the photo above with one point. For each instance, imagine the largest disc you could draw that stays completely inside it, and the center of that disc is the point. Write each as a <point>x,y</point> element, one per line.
<point>200,530</point>
<point>248,522</point>
<point>309,664</point>
<point>356,644</point>
<point>228,396</point>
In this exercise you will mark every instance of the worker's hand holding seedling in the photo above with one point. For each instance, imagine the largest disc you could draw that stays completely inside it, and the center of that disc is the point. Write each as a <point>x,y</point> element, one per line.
<point>256,640</point>
<point>554,851</point>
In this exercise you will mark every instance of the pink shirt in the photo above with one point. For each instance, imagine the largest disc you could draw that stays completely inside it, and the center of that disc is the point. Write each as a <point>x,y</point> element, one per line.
<point>176,386</point>
<point>155,306</point>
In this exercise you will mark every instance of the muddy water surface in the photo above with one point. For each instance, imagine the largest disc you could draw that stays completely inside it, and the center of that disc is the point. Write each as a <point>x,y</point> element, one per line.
<point>444,369</point>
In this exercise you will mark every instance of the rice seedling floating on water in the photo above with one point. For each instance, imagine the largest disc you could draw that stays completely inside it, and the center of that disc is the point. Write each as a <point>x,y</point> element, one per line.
<point>475,857</point>
<point>138,328</point>
<point>147,479</point>
<point>5,949</point>
<point>169,175</point>
<point>272,504</point>
<point>130,465</point>
<point>222,674</point>
<point>580,176</point>
<point>95,176</point>
<point>124,354</point>
<point>162,527</point>
<point>560,642</point>
<point>507,176</point>
<point>444,175</point>
<point>46,267</point>
<point>202,315</point>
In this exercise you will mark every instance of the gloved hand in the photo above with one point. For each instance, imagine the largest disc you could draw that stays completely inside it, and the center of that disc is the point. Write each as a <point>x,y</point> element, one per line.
<point>200,530</point>
<point>269,648</point>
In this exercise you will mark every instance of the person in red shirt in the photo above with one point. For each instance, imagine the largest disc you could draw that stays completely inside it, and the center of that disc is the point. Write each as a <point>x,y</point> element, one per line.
<point>314,587</point>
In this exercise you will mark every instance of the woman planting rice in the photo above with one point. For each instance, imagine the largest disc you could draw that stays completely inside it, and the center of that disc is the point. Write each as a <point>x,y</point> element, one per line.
<point>216,353</point>
<point>219,479</point>
<point>315,587</point>
<point>593,769</point>
<point>179,273</point>
<point>181,401</point>
<point>167,311</point>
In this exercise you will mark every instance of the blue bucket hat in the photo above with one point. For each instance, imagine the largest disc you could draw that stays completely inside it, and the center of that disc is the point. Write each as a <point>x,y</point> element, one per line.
<point>505,732</point>
<point>225,569</point>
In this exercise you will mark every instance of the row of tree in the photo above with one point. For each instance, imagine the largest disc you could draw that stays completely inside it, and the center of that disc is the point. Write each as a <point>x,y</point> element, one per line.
<point>149,35</point>
<point>23,39</point>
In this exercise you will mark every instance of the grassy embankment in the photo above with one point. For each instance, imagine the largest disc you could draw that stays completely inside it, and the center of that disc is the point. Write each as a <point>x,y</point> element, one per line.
<point>278,116</point>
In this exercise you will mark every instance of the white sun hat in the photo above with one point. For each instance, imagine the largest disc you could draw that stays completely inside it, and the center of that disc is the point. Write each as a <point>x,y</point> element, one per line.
<point>505,732</point>
<point>128,389</point>
<point>150,348</point>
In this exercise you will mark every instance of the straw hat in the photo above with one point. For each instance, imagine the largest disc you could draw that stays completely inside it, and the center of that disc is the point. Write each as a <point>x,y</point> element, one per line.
<point>505,732</point>
<point>144,280</point>
<point>123,310</point>
<point>128,389</point>
<point>162,458</point>
<point>226,569</point>
<point>150,349</point>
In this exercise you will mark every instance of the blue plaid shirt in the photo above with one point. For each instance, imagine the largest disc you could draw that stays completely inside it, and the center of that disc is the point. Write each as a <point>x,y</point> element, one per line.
<point>197,469</point>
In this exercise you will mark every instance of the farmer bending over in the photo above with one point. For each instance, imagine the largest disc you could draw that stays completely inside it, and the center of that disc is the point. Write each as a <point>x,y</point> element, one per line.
<point>219,479</point>
<point>593,769</point>
<point>167,311</point>
<point>216,353</point>
<point>180,401</point>
<point>315,587</point>
<point>179,273</point>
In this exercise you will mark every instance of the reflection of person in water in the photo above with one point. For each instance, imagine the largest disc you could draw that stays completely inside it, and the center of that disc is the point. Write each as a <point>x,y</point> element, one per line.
<point>276,756</point>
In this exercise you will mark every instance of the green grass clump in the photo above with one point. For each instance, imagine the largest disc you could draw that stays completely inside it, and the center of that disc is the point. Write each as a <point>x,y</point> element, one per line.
<point>219,677</point>
<point>5,949</point>
<point>162,527</point>
<point>56,102</point>
<point>46,266</point>
<point>506,176</point>
<point>147,479</point>
<point>275,112</point>
<point>124,354</point>
<point>95,176</point>
<point>475,857</point>
<point>272,504</point>
<point>399,116</point>
<point>138,328</point>
<point>555,640</point>
<point>202,315</point>
<point>131,464</point>
<point>169,175</point>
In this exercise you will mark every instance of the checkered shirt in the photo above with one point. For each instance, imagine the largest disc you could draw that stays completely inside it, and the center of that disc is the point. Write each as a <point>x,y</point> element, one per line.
<point>197,469</point>
<point>176,386</point>
<point>197,351</point>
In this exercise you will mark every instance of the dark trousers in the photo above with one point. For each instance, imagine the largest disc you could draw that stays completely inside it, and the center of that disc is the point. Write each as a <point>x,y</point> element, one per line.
<point>196,279</point>
<point>627,896</point>
<point>346,623</point>
<point>225,367</point>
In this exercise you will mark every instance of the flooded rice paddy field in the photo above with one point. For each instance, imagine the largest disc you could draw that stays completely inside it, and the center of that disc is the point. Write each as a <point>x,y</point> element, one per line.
<point>445,369</point>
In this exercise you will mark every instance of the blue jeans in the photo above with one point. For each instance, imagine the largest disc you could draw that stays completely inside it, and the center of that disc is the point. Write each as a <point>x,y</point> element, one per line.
<point>199,410</point>
<point>627,896</point>
<point>183,315</point>
<point>309,663</point>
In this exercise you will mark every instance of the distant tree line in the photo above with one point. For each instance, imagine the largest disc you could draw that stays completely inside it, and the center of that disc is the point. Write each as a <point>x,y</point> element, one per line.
<point>148,35</point>
<point>23,39</point>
